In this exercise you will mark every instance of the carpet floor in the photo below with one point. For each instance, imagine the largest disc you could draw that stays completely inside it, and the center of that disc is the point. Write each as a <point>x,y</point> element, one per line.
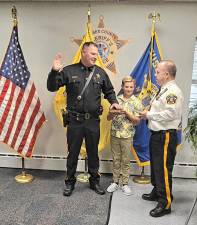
<point>41,202</point>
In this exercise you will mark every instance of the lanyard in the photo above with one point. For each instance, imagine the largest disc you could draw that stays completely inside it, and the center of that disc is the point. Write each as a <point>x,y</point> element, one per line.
<point>86,84</point>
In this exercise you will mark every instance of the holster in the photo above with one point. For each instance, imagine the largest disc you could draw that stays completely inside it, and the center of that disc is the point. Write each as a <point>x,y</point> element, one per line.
<point>100,110</point>
<point>65,116</point>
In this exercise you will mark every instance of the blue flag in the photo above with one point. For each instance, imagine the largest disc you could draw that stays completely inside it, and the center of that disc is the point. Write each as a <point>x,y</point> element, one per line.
<point>146,87</point>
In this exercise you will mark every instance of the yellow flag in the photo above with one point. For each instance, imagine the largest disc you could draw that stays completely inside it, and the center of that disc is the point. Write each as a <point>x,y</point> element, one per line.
<point>60,98</point>
<point>87,38</point>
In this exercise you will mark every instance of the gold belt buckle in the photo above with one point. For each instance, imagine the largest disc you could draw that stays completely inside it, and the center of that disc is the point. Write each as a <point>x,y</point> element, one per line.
<point>87,116</point>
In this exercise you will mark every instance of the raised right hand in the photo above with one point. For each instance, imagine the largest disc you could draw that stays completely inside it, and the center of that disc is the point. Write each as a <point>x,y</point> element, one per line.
<point>57,62</point>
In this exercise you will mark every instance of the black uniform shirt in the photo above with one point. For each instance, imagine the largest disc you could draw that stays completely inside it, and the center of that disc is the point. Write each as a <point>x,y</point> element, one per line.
<point>74,78</point>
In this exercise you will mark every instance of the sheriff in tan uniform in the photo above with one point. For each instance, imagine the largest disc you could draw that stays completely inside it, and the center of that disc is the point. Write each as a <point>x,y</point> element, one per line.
<point>164,118</point>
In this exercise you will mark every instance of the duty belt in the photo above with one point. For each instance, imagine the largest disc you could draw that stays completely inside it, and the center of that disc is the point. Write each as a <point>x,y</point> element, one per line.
<point>84,116</point>
<point>163,131</point>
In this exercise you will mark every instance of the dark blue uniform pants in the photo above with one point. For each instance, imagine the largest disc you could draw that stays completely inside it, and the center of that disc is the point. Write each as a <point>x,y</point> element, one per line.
<point>162,155</point>
<point>77,130</point>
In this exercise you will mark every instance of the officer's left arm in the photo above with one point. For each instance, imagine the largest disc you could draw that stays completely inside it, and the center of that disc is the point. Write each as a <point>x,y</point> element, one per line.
<point>172,104</point>
<point>108,90</point>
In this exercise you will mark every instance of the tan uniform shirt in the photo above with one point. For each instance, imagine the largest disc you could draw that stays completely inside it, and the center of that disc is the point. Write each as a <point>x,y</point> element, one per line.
<point>166,108</point>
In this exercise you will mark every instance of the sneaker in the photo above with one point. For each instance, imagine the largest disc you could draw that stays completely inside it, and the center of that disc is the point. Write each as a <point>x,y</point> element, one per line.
<point>126,190</point>
<point>112,187</point>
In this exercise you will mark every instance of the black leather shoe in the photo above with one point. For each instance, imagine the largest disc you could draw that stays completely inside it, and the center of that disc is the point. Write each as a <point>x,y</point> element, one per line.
<point>97,188</point>
<point>68,190</point>
<point>159,211</point>
<point>149,197</point>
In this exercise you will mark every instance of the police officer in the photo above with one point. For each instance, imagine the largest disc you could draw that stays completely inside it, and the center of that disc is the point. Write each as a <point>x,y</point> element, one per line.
<point>164,118</point>
<point>83,110</point>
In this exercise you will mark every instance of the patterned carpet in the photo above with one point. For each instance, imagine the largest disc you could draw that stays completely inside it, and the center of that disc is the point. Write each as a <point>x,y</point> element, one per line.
<point>42,203</point>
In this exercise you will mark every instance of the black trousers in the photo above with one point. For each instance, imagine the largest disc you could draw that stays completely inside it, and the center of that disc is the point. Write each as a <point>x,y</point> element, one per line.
<point>77,131</point>
<point>162,155</point>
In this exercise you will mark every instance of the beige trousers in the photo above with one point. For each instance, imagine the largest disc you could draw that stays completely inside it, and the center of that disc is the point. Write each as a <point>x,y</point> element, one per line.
<point>120,148</point>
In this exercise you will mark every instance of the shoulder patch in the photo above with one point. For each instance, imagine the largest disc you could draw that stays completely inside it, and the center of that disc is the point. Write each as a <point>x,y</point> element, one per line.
<point>171,99</point>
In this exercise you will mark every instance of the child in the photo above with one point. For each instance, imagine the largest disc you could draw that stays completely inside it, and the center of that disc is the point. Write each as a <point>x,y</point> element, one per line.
<point>122,132</point>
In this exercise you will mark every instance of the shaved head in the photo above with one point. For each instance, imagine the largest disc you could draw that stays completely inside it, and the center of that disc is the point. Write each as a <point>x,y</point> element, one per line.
<point>170,67</point>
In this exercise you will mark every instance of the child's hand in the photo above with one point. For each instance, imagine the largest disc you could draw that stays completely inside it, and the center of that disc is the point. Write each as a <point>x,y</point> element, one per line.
<point>117,111</point>
<point>143,115</point>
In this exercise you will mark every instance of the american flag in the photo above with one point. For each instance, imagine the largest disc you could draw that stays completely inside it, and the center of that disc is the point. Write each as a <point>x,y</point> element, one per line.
<point>21,116</point>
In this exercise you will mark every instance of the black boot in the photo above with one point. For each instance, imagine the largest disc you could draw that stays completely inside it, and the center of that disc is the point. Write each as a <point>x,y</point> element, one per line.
<point>94,185</point>
<point>152,196</point>
<point>69,186</point>
<point>149,197</point>
<point>68,189</point>
<point>97,188</point>
<point>159,211</point>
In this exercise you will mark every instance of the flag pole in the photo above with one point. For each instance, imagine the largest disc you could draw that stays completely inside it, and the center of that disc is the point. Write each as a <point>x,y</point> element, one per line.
<point>154,17</point>
<point>23,177</point>
<point>84,177</point>
<point>142,179</point>
<point>89,13</point>
<point>14,15</point>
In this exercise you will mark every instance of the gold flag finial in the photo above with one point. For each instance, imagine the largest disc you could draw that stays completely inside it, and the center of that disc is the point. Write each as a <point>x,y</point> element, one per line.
<point>89,13</point>
<point>154,17</point>
<point>14,15</point>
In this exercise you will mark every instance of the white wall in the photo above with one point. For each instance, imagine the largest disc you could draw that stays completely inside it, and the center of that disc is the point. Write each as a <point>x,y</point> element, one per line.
<point>45,28</point>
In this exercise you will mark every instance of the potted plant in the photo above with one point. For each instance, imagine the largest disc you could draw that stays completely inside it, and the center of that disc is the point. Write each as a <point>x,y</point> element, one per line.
<point>191,137</point>
<point>191,129</point>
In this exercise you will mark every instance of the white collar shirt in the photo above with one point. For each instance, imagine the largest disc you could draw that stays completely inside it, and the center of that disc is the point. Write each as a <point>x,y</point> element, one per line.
<point>166,108</point>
